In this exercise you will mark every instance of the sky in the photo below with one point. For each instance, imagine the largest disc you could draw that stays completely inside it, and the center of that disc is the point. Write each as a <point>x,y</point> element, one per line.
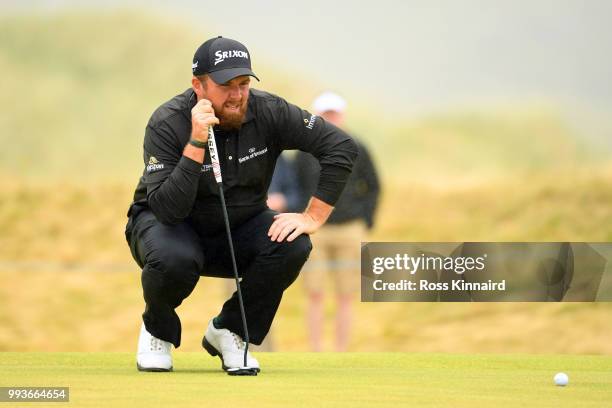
<point>415,56</point>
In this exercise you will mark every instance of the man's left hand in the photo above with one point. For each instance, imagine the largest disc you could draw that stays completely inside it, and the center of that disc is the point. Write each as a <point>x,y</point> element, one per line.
<point>291,225</point>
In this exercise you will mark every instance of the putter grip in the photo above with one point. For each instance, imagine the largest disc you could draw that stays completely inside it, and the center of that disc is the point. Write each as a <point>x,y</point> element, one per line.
<point>214,157</point>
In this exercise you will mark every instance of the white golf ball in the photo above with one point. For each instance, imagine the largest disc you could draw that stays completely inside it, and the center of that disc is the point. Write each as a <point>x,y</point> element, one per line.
<point>561,379</point>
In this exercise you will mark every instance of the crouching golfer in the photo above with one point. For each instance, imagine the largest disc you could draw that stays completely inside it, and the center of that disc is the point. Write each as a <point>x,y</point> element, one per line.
<point>176,229</point>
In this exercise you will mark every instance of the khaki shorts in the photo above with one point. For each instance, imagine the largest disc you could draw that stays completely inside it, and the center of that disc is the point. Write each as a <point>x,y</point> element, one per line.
<point>336,252</point>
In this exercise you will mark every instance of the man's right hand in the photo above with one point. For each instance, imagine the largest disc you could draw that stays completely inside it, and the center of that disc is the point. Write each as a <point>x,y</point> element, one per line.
<point>202,116</point>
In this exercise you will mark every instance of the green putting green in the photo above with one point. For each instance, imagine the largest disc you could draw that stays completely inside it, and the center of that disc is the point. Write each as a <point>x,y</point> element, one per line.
<point>320,379</point>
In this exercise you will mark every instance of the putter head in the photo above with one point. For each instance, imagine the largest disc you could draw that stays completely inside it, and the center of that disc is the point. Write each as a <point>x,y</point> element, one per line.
<point>242,371</point>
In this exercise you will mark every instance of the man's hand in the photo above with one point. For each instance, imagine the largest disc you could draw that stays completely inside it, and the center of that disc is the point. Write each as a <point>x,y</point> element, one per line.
<point>291,225</point>
<point>202,116</point>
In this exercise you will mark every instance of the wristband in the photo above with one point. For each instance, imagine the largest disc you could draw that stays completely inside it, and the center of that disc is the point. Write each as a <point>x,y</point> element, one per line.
<point>197,143</point>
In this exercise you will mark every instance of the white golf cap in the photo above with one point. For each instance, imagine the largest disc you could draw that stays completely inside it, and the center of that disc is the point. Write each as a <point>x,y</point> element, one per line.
<point>328,101</point>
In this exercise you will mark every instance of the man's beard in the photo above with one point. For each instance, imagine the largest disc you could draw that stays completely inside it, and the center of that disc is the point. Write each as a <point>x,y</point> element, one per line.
<point>230,120</point>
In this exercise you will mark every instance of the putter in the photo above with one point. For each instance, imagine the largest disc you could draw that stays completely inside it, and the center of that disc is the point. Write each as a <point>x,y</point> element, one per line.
<point>214,158</point>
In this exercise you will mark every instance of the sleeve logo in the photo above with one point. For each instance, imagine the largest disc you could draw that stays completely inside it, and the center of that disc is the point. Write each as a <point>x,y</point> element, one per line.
<point>154,165</point>
<point>310,123</point>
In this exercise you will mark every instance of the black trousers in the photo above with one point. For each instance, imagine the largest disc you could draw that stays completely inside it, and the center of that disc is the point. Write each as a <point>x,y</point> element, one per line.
<point>174,257</point>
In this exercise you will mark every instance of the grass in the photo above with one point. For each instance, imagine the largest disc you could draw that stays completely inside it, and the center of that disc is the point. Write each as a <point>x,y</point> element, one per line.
<point>86,223</point>
<point>64,243</point>
<point>529,206</point>
<point>89,310</point>
<point>325,379</point>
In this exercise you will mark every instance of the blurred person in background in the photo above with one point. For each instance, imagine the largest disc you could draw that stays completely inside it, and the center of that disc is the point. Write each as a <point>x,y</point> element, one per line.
<point>337,245</point>
<point>284,192</point>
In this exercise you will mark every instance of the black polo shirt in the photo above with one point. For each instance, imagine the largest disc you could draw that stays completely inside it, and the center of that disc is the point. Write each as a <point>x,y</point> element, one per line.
<point>178,188</point>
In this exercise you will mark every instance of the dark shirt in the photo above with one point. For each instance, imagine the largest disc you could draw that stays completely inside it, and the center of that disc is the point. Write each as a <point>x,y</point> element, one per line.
<point>178,188</point>
<point>360,196</point>
<point>284,181</point>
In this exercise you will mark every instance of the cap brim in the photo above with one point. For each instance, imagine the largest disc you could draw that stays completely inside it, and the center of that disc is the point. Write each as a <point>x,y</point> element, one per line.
<point>224,75</point>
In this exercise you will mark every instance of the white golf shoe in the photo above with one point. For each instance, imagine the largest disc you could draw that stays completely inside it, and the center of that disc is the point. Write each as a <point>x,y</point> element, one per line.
<point>153,353</point>
<point>230,348</point>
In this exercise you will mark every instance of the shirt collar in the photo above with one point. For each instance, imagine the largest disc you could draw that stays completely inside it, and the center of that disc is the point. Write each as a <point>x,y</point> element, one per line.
<point>249,115</point>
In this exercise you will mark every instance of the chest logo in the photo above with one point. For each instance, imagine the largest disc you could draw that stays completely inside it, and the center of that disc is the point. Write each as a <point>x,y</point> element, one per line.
<point>252,154</point>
